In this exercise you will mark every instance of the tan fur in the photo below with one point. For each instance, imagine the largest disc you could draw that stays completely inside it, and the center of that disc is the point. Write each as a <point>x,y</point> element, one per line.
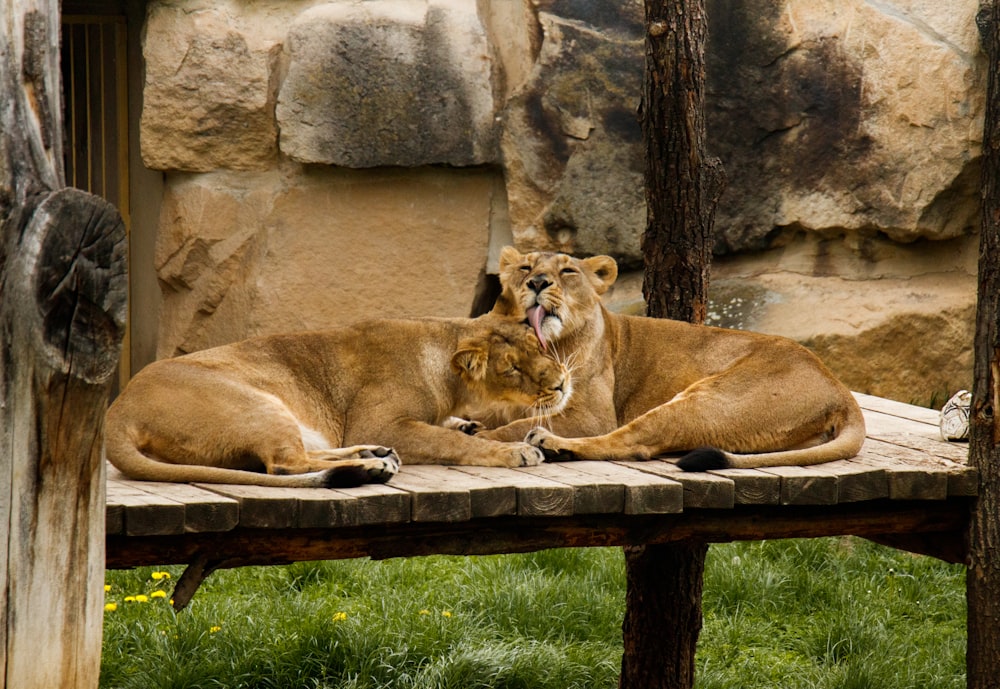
<point>646,387</point>
<point>299,406</point>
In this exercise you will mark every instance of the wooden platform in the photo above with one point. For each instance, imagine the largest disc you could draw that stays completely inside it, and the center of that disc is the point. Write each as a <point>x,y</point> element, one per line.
<point>907,488</point>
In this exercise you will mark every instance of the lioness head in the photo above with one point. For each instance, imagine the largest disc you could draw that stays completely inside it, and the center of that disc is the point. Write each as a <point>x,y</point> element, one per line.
<point>555,293</point>
<point>508,372</point>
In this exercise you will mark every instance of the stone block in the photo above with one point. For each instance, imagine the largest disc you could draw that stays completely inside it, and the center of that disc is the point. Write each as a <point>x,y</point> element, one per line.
<point>209,94</point>
<point>242,255</point>
<point>388,82</point>
<point>833,115</point>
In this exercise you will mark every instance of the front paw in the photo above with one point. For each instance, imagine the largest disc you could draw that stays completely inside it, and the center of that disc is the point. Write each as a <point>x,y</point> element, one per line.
<point>550,444</point>
<point>383,467</point>
<point>467,426</point>
<point>527,456</point>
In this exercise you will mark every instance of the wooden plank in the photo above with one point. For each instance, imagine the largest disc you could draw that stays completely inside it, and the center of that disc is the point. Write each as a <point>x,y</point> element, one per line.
<point>916,436</point>
<point>752,486</point>
<point>114,519</point>
<point>702,490</point>
<point>537,496</point>
<point>900,409</point>
<point>590,494</point>
<point>908,479</point>
<point>645,493</point>
<point>487,498</point>
<point>146,514</point>
<point>810,485</point>
<point>857,482</point>
<point>431,498</point>
<point>203,510</point>
<point>378,503</point>
<point>261,507</point>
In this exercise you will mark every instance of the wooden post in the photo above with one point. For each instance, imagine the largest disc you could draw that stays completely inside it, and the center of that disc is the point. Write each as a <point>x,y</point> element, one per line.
<point>62,311</point>
<point>983,577</point>
<point>664,582</point>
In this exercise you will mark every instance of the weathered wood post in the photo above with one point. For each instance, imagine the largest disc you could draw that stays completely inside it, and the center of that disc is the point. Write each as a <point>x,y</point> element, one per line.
<point>983,577</point>
<point>62,310</point>
<point>664,582</point>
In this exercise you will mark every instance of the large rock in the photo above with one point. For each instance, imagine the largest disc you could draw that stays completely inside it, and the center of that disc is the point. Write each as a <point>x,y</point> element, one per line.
<point>831,117</point>
<point>845,115</point>
<point>571,141</point>
<point>242,255</point>
<point>209,94</point>
<point>891,320</point>
<point>388,82</point>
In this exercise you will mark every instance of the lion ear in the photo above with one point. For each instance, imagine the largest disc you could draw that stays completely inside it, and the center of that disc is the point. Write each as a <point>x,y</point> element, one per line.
<point>508,257</point>
<point>605,270</point>
<point>471,359</point>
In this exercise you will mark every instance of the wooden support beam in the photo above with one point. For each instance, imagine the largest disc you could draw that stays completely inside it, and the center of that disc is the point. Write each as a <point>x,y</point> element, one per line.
<point>683,186</point>
<point>62,313</point>
<point>983,578</point>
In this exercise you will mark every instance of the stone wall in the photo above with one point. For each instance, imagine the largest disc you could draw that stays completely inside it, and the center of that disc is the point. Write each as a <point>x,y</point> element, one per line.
<point>329,161</point>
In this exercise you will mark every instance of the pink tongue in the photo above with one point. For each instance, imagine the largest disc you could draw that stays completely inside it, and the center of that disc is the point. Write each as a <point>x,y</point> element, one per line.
<point>536,314</point>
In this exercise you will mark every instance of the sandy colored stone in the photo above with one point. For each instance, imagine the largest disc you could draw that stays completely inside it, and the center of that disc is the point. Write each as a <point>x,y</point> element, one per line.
<point>242,255</point>
<point>208,99</point>
<point>388,82</point>
<point>898,323</point>
<point>834,115</point>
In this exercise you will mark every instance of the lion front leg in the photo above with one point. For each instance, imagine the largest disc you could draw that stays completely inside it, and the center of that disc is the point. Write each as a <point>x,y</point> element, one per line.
<point>602,447</point>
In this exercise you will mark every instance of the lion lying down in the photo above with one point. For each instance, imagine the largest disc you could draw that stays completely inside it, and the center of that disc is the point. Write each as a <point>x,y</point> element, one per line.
<point>299,406</point>
<point>648,386</point>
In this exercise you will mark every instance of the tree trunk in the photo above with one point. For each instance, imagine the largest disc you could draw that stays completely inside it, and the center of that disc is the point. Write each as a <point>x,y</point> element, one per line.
<point>683,185</point>
<point>62,311</point>
<point>983,577</point>
<point>664,582</point>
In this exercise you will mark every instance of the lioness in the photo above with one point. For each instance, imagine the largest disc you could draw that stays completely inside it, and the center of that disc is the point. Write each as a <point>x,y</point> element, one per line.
<point>286,404</point>
<point>645,386</point>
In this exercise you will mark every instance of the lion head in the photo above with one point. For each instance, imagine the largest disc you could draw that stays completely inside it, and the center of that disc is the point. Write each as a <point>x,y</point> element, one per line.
<point>555,293</point>
<point>509,372</point>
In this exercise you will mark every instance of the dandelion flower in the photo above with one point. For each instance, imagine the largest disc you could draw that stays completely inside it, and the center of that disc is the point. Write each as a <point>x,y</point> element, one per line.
<point>130,599</point>
<point>425,612</point>
<point>107,587</point>
<point>339,616</point>
<point>110,607</point>
<point>156,576</point>
<point>214,628</point>
<point>158,594</point>
<point>445,613</point>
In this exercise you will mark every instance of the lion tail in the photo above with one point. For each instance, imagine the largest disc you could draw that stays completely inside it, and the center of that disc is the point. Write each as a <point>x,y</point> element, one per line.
<point>845,444</point>
<point>124,455</point>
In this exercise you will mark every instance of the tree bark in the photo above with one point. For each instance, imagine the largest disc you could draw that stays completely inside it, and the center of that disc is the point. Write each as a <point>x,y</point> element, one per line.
<point>983,577</point>
<point>664,582</point>
<point>683,184</point>
<point>62,311</point>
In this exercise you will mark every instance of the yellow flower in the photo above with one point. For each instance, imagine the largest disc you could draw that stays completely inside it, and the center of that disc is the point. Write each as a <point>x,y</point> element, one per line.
<point>445,613</point>
<point>339,616</point>
<point>142,598</point>
<point>130,599</point>
<point>110,607</point>
<point>156,576</point>
<point>158,594</point>
<point>213,629</point>
<point>425,612</point>
<point>107,587</point>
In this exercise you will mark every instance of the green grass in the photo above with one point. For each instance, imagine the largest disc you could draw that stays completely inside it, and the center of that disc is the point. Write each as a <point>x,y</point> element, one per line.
<point>837,613</point>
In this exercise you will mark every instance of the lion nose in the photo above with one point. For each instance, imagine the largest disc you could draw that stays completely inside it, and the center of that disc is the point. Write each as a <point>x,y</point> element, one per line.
<point>539,283</point>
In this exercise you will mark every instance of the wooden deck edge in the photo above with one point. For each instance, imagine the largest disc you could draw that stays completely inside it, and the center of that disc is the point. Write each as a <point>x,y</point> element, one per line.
<point>243,546</point>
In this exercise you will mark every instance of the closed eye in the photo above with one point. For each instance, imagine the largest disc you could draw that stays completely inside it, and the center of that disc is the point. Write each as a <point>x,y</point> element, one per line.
<point>568,271</point>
